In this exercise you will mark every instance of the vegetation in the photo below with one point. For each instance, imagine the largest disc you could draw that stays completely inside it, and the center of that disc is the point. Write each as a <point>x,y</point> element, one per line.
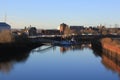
<point>21,38</point>
<point>6,36</point>
<point>106,40</point>
<point>110,41</point>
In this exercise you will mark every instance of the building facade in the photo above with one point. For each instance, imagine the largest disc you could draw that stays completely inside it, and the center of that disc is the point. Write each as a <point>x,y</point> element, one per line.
<point>63,26</point>
<point>32,31</point>
<point>76,28</point>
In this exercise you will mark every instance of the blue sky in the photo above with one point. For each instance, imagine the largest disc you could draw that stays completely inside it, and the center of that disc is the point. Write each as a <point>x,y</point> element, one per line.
<point>51,13</point>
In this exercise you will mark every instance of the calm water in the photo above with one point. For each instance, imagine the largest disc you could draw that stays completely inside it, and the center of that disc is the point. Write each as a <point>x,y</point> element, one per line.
<point>58,63</point>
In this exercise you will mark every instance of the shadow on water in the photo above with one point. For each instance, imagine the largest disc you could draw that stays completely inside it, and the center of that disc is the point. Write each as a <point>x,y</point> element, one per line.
<point>12,54</point>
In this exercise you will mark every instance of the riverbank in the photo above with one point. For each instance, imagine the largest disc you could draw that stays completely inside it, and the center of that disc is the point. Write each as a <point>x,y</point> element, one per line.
<point>112,45</point>
<point>17,43</point>
<point>18,46</point>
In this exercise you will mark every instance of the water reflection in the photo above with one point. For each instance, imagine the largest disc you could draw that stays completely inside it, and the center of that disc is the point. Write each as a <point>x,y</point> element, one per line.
<point>8,58</point>
<point>111,64</point>
<point>63,49</point>
<point>110,61</point>
<point>43,49</point>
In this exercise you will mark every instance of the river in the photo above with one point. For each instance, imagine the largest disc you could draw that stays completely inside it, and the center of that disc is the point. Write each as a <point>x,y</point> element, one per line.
<point>79,62</point>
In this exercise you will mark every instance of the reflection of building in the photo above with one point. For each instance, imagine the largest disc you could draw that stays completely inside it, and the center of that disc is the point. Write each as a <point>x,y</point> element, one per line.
<point>74,47</point>
<point>4,26</point>
<point>63,49</point>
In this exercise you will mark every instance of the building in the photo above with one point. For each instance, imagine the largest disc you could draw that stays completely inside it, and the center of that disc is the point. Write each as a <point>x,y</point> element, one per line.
<point>63,26</point>
<point>32,31</point>
<point>76,28</point>
<point>4,26</point>
<point>50,32</point>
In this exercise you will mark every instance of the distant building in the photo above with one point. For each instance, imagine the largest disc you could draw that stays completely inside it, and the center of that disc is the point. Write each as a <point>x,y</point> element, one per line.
<point>50,32</point>
<point>4,26</point>
<point>32,31</point>
<point>63,26</point>
<point>76,28</point>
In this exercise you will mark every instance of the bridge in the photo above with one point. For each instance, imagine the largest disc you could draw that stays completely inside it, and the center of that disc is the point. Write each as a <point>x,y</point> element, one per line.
<point>46,48</point>
<point>48,39</point>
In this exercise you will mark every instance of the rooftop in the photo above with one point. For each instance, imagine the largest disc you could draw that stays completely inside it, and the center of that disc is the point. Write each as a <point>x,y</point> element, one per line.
<point>4,24</point>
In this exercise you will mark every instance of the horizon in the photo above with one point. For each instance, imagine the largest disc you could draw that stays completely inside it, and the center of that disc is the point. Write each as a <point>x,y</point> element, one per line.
<point>109,26</point>
<point>50,14</point>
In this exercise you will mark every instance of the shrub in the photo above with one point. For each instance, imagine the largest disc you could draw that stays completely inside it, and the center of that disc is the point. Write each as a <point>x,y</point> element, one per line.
<point>110,41</point>
<point>106,40</point>
<point>5,36</point>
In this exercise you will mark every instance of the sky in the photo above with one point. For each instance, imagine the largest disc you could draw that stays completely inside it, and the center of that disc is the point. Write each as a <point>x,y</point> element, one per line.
<point>49,14</point>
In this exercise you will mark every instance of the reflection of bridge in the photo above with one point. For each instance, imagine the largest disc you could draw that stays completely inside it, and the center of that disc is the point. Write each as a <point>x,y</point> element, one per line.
<point>62,48</point>
<point>39,49</point>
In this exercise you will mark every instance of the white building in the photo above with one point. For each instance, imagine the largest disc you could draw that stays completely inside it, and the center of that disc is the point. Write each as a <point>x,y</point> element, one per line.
<point>4,26</point>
